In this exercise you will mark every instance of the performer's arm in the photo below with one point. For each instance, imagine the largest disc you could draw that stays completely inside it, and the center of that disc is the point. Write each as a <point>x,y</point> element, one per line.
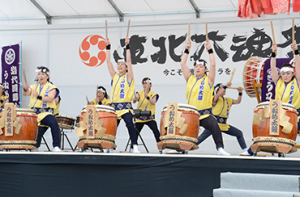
<point>136,98</point>
<point>185,69</point>
<point>274,72</point>
<point>239,99</point>
<point>47,99</point>
<point>109,64</point>
<point>297,60</point>
<point>153,100</point>
<point>26,90</point>
<point>212,67</point>
<point>128,61</point>
<point>219,93</point>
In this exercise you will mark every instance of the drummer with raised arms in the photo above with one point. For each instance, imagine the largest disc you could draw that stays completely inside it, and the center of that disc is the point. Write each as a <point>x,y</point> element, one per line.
<point>199,92</point>
<point>287,82</point>
<point>122,90</point>
<point>42,101</point>
<point>102,97</point>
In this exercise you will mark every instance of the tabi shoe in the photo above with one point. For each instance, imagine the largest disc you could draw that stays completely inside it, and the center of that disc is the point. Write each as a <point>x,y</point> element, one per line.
<point>56,149</point>
<point>221,151</point>
<point>135,149</point>
<point>174,152</point>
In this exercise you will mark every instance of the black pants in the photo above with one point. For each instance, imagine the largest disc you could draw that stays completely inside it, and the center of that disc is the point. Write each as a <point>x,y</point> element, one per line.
<point>231,131</point>
<point>128,118</point>
<point>152,125</point>
<point>211,124</point>
<point>51,122</point>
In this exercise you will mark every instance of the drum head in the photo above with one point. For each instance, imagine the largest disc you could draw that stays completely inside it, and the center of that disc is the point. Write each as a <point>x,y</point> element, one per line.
<point>184,107</point>
<point>102,108</point>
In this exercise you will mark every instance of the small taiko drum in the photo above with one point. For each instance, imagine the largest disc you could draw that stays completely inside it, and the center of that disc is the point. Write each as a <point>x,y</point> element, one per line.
<point>105,128</point>
<point>65,122</point>
<point>24,131</point>
<point>186,128</point>
<point>282,141</point>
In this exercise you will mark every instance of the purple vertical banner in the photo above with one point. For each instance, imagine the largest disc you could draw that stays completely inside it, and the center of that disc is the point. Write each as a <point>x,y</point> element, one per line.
<point>268,86</point>
<point>10,59</point>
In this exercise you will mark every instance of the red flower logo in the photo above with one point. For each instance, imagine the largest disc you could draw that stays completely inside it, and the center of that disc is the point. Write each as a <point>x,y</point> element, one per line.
<point>85,47</point>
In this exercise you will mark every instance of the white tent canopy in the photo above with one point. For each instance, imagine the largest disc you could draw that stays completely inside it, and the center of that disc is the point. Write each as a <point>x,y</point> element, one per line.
<point>84,11</point>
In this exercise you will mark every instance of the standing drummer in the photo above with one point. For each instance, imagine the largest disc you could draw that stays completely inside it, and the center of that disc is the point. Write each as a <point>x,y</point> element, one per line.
<point>147,99</point>
<point>42,101</point>
<point>287,82</point>
<point>199,91</point>
<point>102,97</point>
<point>123,90</point>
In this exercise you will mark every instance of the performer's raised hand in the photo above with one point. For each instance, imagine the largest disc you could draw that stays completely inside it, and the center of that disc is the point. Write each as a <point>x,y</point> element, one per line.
<point>294,46</point>
<point>228,83</point>
<point>274,47</point>
<point>127,41</point>
<point>188,44</point>
<point>240,89</point>
<point>107,42</point>
<point>207,44</point>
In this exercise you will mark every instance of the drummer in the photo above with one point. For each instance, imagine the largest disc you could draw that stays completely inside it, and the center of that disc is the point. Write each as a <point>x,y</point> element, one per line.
<point>42,128</point>
<point>147,100</point>
<point>221,108</point>
<point>102,97</point>
<point>42,100</point>
<point>287,82</point>
<point>4,98</point>
<point>123,90</point>
<point>199,91</point>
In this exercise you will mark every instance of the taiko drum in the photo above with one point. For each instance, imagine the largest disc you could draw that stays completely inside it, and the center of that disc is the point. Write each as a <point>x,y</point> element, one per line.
<point>27,134</point>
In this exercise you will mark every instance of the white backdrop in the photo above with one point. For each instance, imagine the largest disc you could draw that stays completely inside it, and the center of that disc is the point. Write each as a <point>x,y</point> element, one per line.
<point>58,48</point>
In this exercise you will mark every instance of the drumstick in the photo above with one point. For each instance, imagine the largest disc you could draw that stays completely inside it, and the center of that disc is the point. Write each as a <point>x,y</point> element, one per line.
<point>234,87</point>
<point>24,75</point>
<point>293,33</point>
<point>87,99</point>
<point>128,28</point>
<point>273,34</point>
<point>106,28</point>
<point>206,30</point>
<point>232,75</point>
<point>189,38</point>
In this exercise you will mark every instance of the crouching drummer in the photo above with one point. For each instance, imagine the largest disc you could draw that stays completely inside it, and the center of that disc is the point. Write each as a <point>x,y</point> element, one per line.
<point>42,101</point>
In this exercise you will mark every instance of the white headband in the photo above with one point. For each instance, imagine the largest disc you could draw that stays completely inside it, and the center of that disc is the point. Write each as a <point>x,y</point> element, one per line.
<point>201,62</point>
<point>101,89</point>
<point>44,70</point>
<point>148,81</point>
<point>122,60</point>
<point>286,69</point>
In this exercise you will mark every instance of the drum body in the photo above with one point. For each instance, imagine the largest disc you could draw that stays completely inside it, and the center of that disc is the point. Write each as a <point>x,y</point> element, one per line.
<point>181,140</point>
<point>27,134</point>
<point>109,118</point>
<point>65,122</point>
<point>261,131</point>
<point>253,71</point>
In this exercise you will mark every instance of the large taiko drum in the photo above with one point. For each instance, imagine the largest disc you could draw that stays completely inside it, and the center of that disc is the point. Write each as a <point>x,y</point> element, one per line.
<point>105,135</point>
<point>24,137</point>
<point>282,142</point>
<point>254,71</point>
<point>186,130</point>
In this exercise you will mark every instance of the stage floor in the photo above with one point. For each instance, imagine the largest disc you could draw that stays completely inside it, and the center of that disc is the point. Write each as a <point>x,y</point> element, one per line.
<point>126,174</point>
